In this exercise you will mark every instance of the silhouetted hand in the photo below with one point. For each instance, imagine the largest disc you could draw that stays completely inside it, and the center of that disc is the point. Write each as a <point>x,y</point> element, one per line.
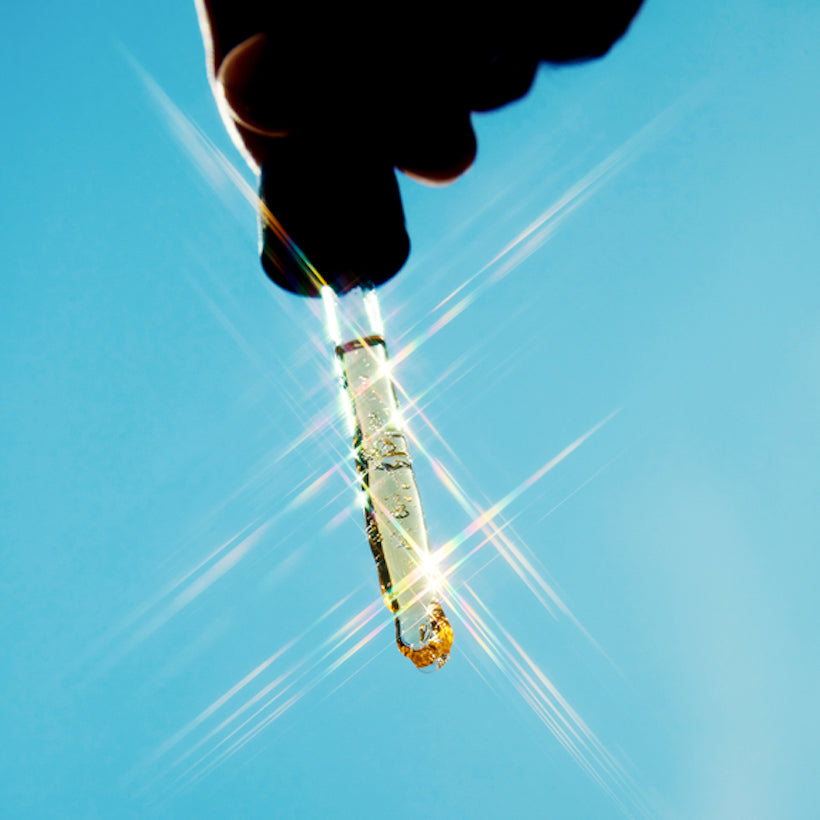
<point>328,101</point>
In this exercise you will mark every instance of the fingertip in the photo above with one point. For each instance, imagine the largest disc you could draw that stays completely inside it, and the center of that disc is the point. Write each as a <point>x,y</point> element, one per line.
<point>500,78</point>
<point>586,30</point>
<point>437,148</point>
<point>249,81</point>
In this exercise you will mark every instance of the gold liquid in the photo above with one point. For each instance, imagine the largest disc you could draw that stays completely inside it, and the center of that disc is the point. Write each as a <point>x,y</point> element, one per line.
<point>393,515</point>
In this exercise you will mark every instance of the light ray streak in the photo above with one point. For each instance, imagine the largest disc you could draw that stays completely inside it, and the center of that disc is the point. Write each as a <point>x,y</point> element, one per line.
<point>275,684</point>
<point>412,405</point>
<point>531,683</point>
<point>337,519</point>
<point>179,594</point>
<point>484,520</point>
<point>196,581</point>
<point>211,710</point>
<point>197,584</point>
<point>489,514</point>
<point>581,486</point>
<point>262,717</point>
<point>141,611</point>
<point>314,487</point>
<point>179,736</point>
<point>213,574</point>
<point>545,700</point>
<point>453,567</point>
<point>540,229</point>
<point>208,157</point>
<point>215,166</point>
<point>218,169</point>
<point>193,585</point>
<point>262,724</point>
<point>313,673</point>
<point>353,624</point>
<point>498,652</point>
<point>216,705</point>
<point>537,690</point>
<point>355,672</point>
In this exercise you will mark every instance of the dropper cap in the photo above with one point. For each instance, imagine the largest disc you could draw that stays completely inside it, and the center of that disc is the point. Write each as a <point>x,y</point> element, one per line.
<point>330,215</point>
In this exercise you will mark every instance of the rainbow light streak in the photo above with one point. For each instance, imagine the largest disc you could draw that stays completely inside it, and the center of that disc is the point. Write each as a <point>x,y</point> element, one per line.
<point>306,674</point>
<point>299,679</point>
<point>485,521</point>
<point>394,521</point>
<point>212,162</point>
<point>495,642</point>
<point>552,709</point>
<point>190,775</point>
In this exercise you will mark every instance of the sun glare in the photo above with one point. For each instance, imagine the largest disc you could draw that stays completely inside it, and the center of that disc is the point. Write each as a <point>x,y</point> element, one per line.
<point>417,583</point>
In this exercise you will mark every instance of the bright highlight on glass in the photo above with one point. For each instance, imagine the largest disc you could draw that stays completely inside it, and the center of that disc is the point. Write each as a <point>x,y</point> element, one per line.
<point>392,508</point>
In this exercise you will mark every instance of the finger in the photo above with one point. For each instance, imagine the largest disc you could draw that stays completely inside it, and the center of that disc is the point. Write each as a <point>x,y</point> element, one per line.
<point>269,85</point>
<point>335,199</point>
<point>434,145</point>
<point>582,30</point>
<point>421,109</point>
<point>495,79</point>
<point>252,81</point>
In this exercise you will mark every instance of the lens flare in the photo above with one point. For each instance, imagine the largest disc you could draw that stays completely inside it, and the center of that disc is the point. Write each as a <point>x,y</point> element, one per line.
<point>434,577</point>
<point>394,520</point>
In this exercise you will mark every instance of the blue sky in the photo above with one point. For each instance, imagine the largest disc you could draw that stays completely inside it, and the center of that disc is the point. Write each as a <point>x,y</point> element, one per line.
<point>163,565</point>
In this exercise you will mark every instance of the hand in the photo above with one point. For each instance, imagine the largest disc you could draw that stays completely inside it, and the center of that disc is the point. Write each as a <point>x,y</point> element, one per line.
<point>328,102</point>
